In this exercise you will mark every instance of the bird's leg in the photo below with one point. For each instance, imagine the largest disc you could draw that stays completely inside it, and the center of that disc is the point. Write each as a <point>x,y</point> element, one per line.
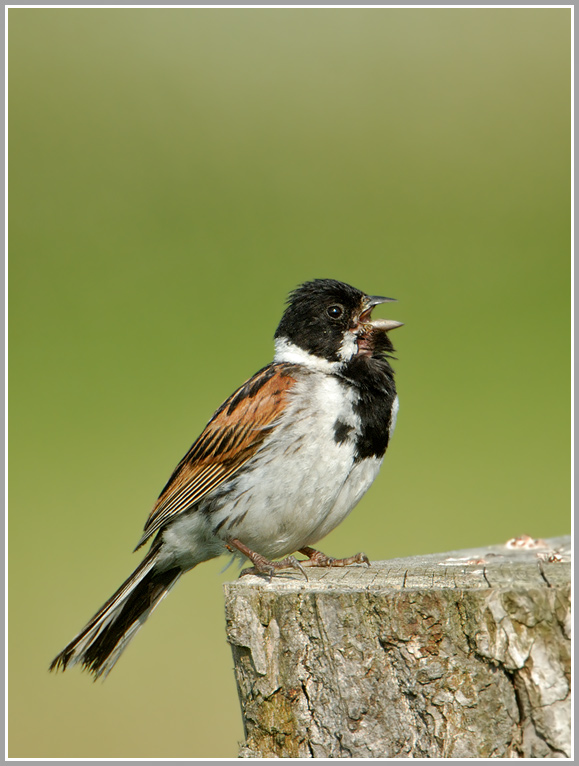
<point>261,565</point>
<point>319,559</point>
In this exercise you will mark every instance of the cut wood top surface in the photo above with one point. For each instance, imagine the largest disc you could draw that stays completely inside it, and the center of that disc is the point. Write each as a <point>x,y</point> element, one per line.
<point>521,562</point>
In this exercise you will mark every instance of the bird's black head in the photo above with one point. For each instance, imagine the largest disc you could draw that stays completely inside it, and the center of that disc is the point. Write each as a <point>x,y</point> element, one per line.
<point>332,321</point>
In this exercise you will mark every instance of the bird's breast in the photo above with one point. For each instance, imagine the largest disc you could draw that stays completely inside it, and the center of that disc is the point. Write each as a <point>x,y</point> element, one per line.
<point>305,478</point>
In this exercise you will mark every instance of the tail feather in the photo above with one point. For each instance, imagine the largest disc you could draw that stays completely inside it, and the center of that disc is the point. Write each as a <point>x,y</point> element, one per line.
<point>100,643</point>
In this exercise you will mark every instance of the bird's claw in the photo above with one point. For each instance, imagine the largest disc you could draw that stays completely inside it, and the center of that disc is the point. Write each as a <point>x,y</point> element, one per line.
<point>319,559</point>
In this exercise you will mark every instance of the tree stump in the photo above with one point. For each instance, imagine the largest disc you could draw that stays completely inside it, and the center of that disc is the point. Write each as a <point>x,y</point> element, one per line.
<point>463,654</point>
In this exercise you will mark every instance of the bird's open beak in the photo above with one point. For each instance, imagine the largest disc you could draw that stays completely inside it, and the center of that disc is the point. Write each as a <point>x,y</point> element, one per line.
<point>367,323</point>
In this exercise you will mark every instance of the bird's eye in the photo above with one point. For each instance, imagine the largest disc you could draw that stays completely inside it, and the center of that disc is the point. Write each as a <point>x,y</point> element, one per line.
<point>335,311</point>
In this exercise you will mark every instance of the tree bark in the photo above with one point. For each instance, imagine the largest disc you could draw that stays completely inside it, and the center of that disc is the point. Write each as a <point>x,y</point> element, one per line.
<point>463,654</point>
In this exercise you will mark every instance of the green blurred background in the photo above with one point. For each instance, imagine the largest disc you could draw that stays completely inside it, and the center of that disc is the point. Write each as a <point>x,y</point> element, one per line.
<point>173,174</point>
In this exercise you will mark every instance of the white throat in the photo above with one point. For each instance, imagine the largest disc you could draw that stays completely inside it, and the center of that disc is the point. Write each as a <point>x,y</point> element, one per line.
<point>285,351</point>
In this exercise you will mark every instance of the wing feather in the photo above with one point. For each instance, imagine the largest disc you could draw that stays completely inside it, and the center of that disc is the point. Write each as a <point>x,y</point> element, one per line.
<point>229,440</point>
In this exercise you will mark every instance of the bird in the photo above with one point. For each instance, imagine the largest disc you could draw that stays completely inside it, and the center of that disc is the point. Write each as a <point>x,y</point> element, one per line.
<point>278,466</point>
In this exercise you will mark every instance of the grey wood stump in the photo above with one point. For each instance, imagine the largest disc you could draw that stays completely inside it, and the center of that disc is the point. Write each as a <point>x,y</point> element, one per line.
<point>461,654</point>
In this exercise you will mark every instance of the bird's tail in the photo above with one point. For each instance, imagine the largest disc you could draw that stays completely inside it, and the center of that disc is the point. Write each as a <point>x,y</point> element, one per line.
<point>100,643</point>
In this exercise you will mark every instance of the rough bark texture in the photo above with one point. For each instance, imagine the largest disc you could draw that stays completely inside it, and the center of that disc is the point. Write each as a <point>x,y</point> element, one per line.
<point>464,654</point>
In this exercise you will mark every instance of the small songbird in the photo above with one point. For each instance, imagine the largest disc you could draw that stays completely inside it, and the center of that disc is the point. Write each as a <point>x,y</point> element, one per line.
<point>280,464</point>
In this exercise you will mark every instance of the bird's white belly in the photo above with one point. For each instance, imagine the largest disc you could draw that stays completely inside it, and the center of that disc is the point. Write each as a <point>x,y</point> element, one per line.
<point>359,480</point>
<point>297,507</point>
<point>296,489</point>
<point>302,483</point>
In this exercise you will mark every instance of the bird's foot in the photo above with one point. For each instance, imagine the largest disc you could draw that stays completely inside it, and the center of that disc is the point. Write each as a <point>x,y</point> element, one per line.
<point>261,565</point>
<point>319,559</point>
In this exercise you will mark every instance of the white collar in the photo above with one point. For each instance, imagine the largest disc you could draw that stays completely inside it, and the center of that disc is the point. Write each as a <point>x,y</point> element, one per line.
<point>285,351</point>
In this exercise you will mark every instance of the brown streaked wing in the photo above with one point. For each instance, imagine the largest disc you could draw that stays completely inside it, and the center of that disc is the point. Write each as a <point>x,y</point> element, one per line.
<point>230,439</point>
